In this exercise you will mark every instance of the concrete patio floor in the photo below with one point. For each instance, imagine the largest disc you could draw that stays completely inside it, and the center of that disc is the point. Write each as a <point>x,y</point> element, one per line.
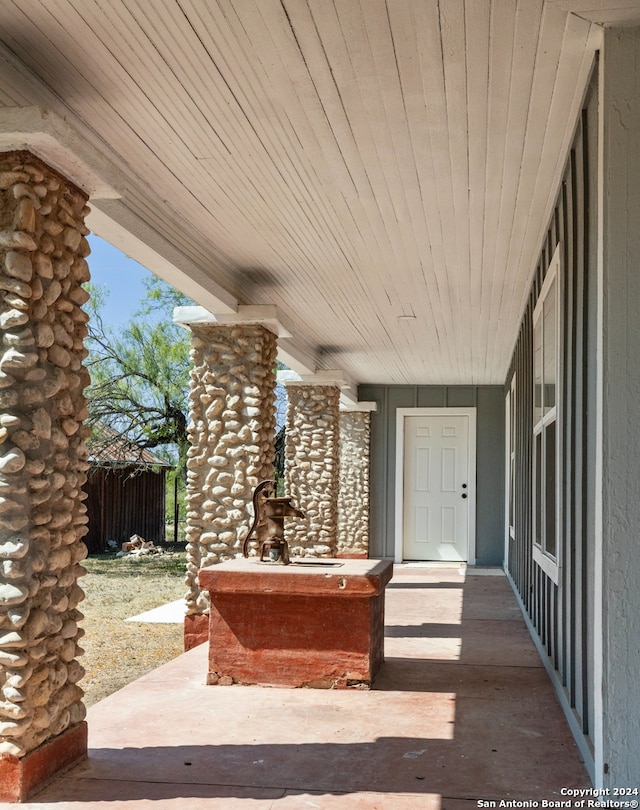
<point>462,711</point>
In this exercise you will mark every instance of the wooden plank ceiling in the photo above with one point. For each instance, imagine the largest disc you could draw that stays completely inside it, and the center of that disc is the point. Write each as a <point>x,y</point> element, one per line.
<point>382,170</point>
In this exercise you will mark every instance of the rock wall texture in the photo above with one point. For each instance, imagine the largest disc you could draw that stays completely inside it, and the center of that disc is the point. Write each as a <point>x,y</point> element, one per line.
<point>311,471</point>
<point>353,496</point>
<point>232,431</point>
<point>43,455</point>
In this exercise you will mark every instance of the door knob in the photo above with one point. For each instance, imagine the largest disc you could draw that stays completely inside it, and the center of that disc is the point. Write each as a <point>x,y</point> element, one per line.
<point>464,494</point>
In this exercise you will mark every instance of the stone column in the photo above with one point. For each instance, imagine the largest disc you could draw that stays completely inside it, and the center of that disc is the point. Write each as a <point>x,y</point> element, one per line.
<point>43,463</point>
<point>311,466</point>
<point>353,495</point>
<point>232,433</point>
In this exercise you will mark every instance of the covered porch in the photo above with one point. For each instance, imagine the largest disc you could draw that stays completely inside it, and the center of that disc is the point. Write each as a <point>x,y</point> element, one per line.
<point>462,711</point>
<point>429,212</point>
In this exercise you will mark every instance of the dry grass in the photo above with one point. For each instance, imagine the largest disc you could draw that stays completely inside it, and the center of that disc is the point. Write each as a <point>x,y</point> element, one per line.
<point>116,651</point>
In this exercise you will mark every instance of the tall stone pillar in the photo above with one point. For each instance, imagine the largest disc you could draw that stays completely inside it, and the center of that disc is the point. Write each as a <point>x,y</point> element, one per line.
<point>43,463</point>
<point>311,465</point>
<point>232,433</point>
<point>353,495</point>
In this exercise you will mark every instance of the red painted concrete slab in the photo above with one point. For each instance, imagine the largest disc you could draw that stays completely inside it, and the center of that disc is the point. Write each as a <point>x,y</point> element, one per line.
<point>113,793</point>
<point>318,624</point>
<point>432,735</point>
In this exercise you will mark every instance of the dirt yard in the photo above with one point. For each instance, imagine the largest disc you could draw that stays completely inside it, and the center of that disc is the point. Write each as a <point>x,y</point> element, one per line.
<point>116,651</point>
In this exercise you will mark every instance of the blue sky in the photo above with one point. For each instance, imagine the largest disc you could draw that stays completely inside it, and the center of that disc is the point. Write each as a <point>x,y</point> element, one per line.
<point>123,278</point>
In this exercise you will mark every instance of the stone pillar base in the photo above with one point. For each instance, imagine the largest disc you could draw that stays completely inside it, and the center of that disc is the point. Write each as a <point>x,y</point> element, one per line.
<point>24,776</point>
<point>196,630</point>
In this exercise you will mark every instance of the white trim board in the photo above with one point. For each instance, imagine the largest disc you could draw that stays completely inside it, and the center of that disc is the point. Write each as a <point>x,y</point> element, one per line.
<point>401,414</point>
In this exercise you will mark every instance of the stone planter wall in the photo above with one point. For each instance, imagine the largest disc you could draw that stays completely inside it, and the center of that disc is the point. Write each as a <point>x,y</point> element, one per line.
<point>311,472</point>
<point>232,432</point>
<point>353,497</point>
<point>43,455</point>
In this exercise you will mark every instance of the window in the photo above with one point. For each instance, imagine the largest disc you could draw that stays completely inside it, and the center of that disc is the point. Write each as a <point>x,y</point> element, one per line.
<point>545,420</point>
<point>510,472</point>
<point>512,458</point>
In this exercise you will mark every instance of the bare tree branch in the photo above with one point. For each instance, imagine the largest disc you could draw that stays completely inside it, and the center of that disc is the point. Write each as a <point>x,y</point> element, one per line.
<point>139,383</point>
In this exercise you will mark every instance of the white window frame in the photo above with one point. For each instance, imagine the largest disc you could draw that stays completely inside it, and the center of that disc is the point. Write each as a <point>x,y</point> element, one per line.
<point>549,564</point>
<point>510,466</point>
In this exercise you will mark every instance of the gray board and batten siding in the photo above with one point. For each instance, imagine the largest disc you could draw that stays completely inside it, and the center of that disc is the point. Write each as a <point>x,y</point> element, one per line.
<point>561,615</point>
<point>489,402</point>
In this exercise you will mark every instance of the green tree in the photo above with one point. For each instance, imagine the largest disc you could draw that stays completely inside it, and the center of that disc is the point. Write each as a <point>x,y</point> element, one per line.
<point>140,377</point>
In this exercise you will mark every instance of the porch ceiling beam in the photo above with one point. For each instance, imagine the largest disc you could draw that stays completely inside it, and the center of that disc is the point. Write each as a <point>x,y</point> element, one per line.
<point>61,146</point>
<point>120,225</point>
<point>618,12</point>
<point>268,316</point>
<point>64,147</point>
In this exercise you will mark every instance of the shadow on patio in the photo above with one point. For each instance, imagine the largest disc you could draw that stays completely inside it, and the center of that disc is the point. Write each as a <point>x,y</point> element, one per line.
<point>462,710</point>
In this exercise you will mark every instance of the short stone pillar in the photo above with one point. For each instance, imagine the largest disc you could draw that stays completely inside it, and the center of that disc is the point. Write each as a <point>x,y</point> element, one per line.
<point>232,434</point>
<point>353,495</point>
<point>318,625</point>
<point>43,463</point>
<point>311,466</point>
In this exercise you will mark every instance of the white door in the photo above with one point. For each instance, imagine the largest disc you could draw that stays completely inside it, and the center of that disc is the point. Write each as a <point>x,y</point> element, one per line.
<point>437,487</point>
